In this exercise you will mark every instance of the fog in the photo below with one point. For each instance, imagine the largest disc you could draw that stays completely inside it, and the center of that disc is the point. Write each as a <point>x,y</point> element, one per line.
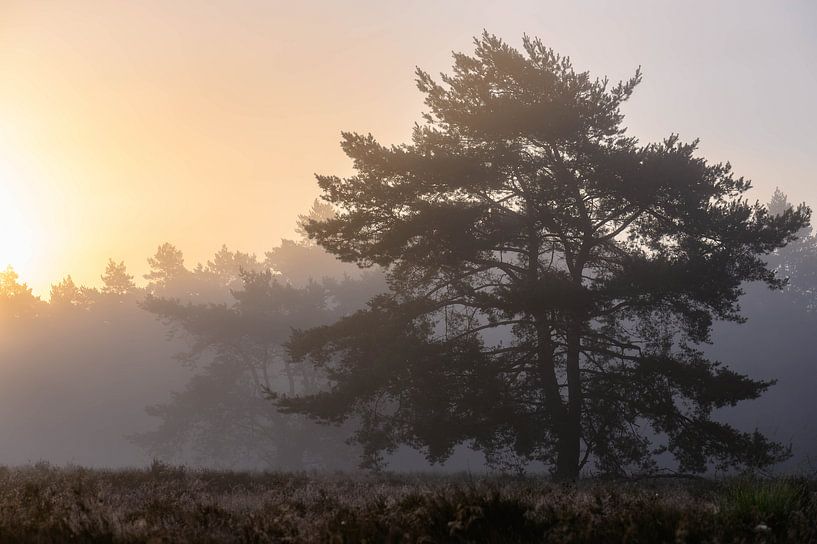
<point>777,342</point>
<point>125,375</point>
<point>83,372</point>
<point>517,268</point>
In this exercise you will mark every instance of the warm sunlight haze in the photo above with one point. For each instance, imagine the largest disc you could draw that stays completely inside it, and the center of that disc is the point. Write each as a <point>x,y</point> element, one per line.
<point>201,124</point>
<point>19,239</point>
<point>408,271</point>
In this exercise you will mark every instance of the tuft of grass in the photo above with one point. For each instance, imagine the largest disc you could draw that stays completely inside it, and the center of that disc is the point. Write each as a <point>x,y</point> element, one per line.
<point>765,501</point>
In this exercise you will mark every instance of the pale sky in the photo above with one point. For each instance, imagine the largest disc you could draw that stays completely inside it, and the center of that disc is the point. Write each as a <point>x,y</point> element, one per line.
<point>127,124</point>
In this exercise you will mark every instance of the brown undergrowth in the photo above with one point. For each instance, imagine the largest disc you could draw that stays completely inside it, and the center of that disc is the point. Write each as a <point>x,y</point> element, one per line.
<point>165,504</point>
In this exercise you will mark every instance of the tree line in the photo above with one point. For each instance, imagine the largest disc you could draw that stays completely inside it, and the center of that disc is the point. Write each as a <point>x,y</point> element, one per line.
<point>233,314</point>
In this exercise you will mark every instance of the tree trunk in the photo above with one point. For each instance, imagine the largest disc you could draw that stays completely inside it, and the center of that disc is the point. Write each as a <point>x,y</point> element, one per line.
<point>570,433</point>
<point>567,452</point>
<point>567,428</point>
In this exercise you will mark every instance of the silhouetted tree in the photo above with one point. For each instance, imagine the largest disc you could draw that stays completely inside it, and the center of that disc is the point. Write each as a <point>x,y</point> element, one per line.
<point>16,298</point>
<point>550,278</point>
<point>223,414</point>
<point>797,261</point>
<point>236,327</point>
<point>227,266</point>
<point>166,268</point>
<point>779,202</point>
<point>298,263</point>
<point>320,211</point>
<point>116,280</point>
<point>66,294</point>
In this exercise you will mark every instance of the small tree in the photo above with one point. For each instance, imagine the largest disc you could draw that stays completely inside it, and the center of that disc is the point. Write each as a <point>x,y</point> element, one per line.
<point>320,211</point>
<point>797,262</point>
<point>300,262</point>
<point>116,280</point>
<point>227,266</point>
<point>551,278</point>
<point>166,267</point>
<point>66,294</point>
<point>16,298</point>
<point>779,202</point>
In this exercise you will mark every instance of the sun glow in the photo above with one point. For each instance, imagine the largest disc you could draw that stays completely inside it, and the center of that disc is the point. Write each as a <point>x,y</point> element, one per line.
<point>17,240</point>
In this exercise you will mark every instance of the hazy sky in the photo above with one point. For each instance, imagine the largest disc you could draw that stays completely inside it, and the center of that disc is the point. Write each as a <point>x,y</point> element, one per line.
<point>127,124</point>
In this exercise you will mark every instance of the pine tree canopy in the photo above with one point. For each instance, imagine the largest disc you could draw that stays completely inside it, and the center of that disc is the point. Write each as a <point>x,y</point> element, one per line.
<point>552,278</point>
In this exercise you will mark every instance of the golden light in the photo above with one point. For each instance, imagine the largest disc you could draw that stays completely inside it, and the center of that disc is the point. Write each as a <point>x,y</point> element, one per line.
<point>17,240</point>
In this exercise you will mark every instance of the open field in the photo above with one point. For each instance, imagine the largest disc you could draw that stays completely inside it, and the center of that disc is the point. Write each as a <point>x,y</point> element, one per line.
<point>163,504</point>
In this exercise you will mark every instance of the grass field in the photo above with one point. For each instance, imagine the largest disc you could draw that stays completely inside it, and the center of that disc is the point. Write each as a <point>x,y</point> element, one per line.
<point>163,504</point>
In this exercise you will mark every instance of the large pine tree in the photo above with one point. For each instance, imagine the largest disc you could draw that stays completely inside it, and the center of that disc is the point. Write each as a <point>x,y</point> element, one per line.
<point>551,278</point>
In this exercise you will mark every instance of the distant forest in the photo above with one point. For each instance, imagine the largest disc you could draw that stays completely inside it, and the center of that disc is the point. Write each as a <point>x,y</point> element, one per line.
<point>179,368</point>
<point>82,368</point>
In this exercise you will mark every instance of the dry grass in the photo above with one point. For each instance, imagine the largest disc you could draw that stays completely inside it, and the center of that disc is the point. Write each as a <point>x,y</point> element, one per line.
<point>165,504</point>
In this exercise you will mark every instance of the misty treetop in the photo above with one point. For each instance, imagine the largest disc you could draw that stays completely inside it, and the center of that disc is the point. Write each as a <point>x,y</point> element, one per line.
<point>236,345</point>
<point>16,298</point>
<point>797,262</point>
<point>550,278</point>
<point>223,416</point>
